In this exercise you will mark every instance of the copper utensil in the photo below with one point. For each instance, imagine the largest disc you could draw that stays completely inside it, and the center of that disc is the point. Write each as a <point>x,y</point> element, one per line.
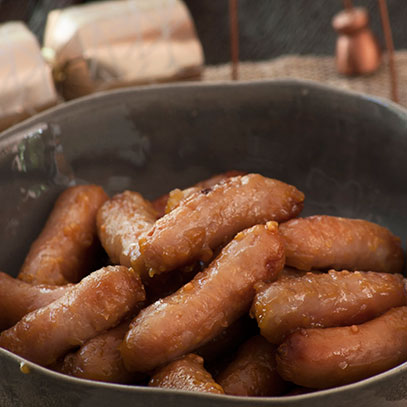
<point>357,50</point>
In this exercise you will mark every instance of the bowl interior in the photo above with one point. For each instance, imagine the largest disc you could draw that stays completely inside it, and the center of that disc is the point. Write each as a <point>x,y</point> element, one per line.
<point>346,152</point>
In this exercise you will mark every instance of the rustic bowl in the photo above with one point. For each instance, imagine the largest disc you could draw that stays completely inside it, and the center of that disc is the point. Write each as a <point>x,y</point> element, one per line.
<point>346,151</point>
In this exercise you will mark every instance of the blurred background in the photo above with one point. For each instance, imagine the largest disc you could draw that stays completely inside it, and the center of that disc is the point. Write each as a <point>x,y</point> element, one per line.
<point>290,39</point>
<point>267,28</point>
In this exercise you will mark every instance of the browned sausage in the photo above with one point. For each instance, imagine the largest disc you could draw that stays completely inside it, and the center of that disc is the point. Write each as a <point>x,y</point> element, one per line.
<point>253,371</point>
<point>212,217</point>
<point>325,300</point>
<point>167,202</point>
<point>177,195</point>
<point>164,284</point>
<point>160,204</point>
<point>100,359</point>
<point>99,302</point>
<point>291,272</point>
<point>186,373</point>
<point>216,179</point>
<point>228,340</point>
<point>327,357</point>
<point>120,223</point>
<point>64,251</point>
<point>206,305</point>
<point>18,298</point>
<point>324,242</point>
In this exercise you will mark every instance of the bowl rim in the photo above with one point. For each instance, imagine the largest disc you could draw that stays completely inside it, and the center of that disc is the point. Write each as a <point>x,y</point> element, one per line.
<point>144,390</point>
<point>107,94</point>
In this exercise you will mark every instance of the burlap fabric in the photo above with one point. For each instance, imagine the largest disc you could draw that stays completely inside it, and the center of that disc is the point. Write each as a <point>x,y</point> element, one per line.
<point>321,69</point>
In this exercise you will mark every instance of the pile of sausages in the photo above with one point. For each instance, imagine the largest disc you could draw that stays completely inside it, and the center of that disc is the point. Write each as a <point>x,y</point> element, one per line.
<point>325,294</point>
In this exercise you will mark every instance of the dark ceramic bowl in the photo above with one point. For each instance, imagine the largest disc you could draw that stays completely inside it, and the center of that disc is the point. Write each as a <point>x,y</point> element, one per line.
<point>347,152</point>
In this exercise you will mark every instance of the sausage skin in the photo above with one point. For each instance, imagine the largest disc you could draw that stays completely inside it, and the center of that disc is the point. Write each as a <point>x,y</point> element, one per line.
<point>186,373</point>
<point>64,251</point>
<point>120,223</point>
<point>212,217</point>
<point>210,302</point>
<point>327,357</point>
<point>165,203</point>
<point>99,302</point>
<point>253,372</point>
<point>324,242</point>
<point>228,340</point>
<point>18,298</point>
<point>99,359</point>
<point>336,298</point>
<point>175,196</point>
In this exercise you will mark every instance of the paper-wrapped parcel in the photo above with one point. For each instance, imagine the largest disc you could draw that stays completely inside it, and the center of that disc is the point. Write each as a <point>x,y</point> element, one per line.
<point>26,84</point>
<point>104,45</point>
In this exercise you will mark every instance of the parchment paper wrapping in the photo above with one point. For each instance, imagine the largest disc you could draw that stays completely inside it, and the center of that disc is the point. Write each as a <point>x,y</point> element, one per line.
<point>26,84</point>
<point>111,44</point>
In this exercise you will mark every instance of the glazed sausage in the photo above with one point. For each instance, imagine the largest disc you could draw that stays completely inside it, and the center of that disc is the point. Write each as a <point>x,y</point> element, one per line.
<point>324,242</point>
<point>327,357</point>
<point>164,284</point>
<point>99,302</point>
<point>120,223</point>
<point>253,371</point>
<point>175,196</point>
<point>162,205</point>
<point>212,217</point>
<point>290,272</point>
<point>186,373</point>
<point>18,298</point>
<point>206,305</point>
<point>228,340</point>
<point>100,359</point>
<point>325,300</point>
<point>65,249</point>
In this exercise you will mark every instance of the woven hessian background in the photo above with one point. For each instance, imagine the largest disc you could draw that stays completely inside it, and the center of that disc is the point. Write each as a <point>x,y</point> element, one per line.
<point>318,68</point>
